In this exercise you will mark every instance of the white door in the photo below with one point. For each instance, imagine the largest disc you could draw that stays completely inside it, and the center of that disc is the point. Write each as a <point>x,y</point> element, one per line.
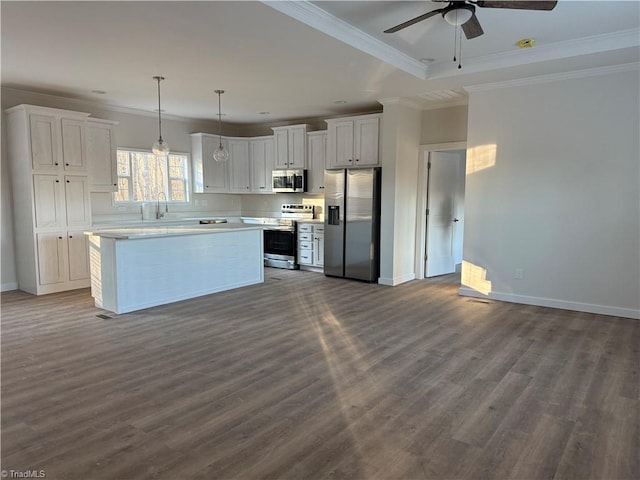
<point>441,221</point>
<point>73,149</point>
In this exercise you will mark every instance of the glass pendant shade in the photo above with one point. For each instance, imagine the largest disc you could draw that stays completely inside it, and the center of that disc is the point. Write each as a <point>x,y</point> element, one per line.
<point>160,148</point>
<point>221,154</point>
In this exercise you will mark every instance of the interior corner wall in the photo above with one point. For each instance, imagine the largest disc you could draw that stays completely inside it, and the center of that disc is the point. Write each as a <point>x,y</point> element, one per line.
<point>552,188</point>
<point>400,140</point>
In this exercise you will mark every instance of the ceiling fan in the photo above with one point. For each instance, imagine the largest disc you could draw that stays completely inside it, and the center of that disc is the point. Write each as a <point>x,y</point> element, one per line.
<point>462,13</point>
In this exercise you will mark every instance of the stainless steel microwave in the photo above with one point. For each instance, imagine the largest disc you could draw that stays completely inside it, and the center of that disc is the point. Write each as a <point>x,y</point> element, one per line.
<point>289,180</point>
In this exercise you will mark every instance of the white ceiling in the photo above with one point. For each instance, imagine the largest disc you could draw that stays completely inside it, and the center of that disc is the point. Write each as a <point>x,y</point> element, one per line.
<point>293,59</point>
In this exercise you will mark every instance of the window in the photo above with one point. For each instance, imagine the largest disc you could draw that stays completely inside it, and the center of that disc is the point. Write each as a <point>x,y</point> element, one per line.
<point>142,177</point>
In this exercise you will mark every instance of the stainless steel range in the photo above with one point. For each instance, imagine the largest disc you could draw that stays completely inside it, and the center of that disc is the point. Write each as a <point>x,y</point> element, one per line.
<point>280,242</point>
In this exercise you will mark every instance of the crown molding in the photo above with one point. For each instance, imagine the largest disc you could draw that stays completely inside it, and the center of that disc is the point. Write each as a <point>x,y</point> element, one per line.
<point>571,48</point>
<point>401,101</point>
<point>309,14</point>
<point>555,77</point>
<point>81,103</point>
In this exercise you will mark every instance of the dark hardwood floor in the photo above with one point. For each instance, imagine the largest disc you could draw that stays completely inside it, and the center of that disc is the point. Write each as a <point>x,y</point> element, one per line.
<point>307,377</point>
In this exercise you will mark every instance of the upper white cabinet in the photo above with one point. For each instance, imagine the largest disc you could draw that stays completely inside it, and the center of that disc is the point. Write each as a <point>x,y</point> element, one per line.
<point>239,172</point>
<point>101,155</point>
<point>261,155</point>
<point>290,146</point>
<point>317,158</point>
<point>209,176</point>
<point>47,151</point>
<point>353,141</point>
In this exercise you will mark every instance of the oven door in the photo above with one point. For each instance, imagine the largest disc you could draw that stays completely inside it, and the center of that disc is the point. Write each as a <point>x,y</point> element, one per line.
<point>280,248</point>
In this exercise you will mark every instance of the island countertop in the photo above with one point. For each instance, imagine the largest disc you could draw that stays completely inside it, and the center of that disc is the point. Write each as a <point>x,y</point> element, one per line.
<point>132,233</point>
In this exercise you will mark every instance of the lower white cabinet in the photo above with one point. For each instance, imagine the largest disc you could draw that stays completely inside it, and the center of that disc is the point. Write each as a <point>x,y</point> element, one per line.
<point>311,246</point>
<point>63,257</point>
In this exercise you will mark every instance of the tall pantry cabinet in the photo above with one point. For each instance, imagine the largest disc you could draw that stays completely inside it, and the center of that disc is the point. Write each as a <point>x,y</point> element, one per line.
<point>51,202</point>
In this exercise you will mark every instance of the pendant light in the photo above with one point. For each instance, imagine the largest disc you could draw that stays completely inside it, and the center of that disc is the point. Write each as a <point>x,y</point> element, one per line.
<point>221,154</point>
<point>160,148</point>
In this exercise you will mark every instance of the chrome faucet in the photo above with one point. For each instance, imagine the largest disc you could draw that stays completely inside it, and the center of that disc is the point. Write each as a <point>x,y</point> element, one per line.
<point>160,213</point>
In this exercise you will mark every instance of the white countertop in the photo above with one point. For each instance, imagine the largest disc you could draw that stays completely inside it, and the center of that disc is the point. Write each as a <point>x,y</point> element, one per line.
<point>169,231</point>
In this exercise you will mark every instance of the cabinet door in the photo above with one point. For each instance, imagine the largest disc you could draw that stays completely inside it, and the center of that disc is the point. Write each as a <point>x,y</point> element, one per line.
<point>317,148</point>
<point>366,142</point>
<point>214,173</point>
<point>76,189</point>
<point>261,165</point>
<point>297,143</point>
<point>281,148</point>
<point>73,152</point>
<point>318,249</point>
<point>341,144</point>
<point>239,173</point>
<point>48,201</point>
<point>78,254</point>
<point>101,157</point>
<point>44,143</point>
<point>51,258</point>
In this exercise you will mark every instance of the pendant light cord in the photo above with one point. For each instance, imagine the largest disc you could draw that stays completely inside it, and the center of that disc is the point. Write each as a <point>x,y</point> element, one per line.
<point>159,113</point>
<point>219,118</point>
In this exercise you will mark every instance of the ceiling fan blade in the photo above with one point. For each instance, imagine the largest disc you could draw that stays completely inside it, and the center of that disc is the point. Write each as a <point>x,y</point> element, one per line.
<point>472,28</point>
<point>408,23</point>
<point>519,4</point>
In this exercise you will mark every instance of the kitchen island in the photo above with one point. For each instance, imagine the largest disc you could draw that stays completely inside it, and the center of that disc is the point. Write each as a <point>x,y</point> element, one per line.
<point>136,268</point>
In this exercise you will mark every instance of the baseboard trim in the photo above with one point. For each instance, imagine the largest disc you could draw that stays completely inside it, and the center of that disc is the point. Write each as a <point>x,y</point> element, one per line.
<point>392,282</point>
<point>553,303</point>
<point>7,287</point>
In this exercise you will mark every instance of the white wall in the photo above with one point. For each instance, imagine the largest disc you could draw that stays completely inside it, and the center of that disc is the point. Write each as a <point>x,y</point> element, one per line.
<point>553,188</point>
<point>400,141</point>
<point>444,125</point>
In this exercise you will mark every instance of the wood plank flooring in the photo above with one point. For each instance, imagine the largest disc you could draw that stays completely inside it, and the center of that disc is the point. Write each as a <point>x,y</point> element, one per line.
<point>309,377</point>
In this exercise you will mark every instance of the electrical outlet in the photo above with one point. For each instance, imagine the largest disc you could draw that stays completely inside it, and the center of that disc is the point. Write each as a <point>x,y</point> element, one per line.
<point>519,273</point>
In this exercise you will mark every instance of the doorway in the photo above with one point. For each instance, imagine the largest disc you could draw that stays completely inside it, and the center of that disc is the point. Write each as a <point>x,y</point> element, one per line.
<point>440,226</point>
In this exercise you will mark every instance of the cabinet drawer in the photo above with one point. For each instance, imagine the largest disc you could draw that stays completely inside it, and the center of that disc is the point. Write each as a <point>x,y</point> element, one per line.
<point>305,257</point>
<point>306,245</point>
<point>305,237</point>
<point>318,229</point>
<point>305,228</point>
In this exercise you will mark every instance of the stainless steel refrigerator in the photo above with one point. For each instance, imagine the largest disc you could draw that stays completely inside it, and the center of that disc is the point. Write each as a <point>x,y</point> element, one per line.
<point>352,223</point>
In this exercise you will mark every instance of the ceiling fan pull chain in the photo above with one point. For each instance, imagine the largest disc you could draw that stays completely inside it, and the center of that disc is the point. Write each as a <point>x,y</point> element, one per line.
<point>460,51</point>
<point>455,42</point>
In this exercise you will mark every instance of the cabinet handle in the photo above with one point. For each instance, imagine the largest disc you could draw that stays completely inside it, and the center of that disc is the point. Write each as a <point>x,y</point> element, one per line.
<point>67,164</point>
<point>321,187</point>
<point>70,236</point>
<point>357,159</point>
<point>57,181</point>
<point>56,164</point>
<point>59,238</point>
<point>68,181</point>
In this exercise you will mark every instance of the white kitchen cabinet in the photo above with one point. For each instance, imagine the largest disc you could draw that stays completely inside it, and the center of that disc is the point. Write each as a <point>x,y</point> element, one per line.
<point>317,158</point>
<point>311,246</point>
<point>78,255</point>
<point>239,171</point>
<point>73,145</point>
<point>209,176</point>
<point>261,155</point>
<point>353,141</point>
<point>44,142</point>
<point>63,257</point>
<point>101,155</point>
<point>290,146</point>
<point>77,201</point>
<point>49,203</point>
<point>46,149</point>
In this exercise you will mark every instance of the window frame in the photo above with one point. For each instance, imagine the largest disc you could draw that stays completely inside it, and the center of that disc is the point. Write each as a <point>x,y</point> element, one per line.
<point>188,179</point>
